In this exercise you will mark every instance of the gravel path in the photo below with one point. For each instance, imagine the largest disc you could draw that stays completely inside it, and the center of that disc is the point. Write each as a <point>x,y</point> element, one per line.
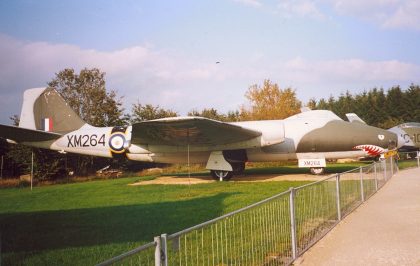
<point>176,180</point>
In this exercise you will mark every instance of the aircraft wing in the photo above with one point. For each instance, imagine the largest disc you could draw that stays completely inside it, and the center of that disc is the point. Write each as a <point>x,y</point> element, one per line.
<point>180,131</point>
<point>20,134</point>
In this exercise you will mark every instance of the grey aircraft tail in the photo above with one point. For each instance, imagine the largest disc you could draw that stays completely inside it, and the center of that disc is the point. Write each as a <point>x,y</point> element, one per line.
<point>44,109</point>
<point>410,132</point>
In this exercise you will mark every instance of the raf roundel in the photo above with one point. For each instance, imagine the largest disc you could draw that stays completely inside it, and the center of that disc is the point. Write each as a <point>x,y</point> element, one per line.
<point>116,142</point>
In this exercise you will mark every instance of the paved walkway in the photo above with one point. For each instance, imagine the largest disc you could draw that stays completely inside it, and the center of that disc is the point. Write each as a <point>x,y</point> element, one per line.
<point>383,231</point>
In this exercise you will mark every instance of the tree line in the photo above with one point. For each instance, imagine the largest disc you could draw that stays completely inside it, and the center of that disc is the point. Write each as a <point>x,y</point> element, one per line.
<point>376,107</point>
<point>87,94</point>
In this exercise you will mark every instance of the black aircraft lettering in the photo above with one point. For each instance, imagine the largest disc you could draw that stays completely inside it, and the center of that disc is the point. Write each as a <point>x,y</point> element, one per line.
<point>85,140</point>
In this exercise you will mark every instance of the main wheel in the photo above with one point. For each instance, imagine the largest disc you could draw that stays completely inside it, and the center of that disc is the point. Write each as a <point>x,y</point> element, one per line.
<point>317,170</point>
<point>412,155</point>
<point>221,175</point>
<point>238,168</point>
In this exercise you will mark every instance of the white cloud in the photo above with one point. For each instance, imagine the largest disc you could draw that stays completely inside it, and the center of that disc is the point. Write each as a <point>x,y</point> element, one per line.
<point>350,70</point>
<point>183,83</point>
<point>389,14</point>
<point>138,72</point>
<point>405,16</point>
<point>332,77</point>
<point>401,14</point>
<point>252,3</point>
<point>299,8</point>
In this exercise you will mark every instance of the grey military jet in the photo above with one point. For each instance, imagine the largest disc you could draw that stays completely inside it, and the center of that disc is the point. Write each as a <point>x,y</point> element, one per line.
<point>310,137</point>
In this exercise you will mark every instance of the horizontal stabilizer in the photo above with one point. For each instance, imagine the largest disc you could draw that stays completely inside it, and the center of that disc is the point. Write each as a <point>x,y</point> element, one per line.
<point>179,131</point>
<point>20,134</point>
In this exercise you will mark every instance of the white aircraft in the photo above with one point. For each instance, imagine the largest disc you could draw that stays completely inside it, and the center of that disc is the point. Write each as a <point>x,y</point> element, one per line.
<point>311,137</point>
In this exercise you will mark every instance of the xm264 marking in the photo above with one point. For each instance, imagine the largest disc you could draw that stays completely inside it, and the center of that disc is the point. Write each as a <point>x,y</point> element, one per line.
<point>86,140</point>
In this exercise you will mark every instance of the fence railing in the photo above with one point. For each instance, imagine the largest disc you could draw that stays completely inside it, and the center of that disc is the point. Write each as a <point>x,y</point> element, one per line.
<point>274,231</point>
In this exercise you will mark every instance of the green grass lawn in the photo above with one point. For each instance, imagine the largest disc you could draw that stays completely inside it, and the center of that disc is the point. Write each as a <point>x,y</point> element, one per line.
<point>86,223</point>
<point>403,164</point>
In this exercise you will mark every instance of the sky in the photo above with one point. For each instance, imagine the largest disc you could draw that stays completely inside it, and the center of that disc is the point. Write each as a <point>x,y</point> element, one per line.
<point>166,52</point>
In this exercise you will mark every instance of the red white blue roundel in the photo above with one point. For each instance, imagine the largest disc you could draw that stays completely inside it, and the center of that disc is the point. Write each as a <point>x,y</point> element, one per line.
<point>116,142</point>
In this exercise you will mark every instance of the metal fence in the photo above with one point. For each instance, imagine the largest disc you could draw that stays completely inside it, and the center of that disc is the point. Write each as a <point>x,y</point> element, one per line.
<point>274,231</point>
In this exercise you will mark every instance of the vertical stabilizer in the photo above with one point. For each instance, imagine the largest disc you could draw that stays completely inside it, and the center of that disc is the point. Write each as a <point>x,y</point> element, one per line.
<point>410,132</point>
<point>352,117</point>
<point>45,109</point>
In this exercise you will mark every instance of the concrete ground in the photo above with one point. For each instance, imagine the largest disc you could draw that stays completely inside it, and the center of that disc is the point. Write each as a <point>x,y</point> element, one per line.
<point>385,230</point>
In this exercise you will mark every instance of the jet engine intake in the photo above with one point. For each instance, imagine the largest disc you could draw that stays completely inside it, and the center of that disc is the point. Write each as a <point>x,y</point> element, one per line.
<point>118,142</point>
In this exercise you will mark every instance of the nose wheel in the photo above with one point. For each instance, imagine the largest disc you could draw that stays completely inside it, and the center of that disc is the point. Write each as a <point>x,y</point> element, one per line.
<point>317,170</point>
<point>221,175</point>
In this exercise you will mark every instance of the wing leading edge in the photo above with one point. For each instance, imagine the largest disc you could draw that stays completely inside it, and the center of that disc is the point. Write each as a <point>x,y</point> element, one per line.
<point>180,131</point>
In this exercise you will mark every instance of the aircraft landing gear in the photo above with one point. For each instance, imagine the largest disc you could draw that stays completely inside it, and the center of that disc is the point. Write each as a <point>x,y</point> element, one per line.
<point>238,168</point>
<point>317,170</point>
<point>221,175</point>
<point>224,164</point>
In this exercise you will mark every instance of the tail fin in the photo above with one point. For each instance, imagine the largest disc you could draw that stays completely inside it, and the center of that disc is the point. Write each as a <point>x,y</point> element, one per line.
<point>45,109</point>
<point>410,132</point>
<point>352,117</point>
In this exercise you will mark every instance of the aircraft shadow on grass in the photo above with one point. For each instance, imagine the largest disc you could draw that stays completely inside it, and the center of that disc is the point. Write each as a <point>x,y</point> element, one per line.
<point>274,170</point>
<point>47,230</point>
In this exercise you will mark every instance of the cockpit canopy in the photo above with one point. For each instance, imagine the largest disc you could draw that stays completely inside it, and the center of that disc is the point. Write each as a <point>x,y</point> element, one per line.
<point>316,114</point>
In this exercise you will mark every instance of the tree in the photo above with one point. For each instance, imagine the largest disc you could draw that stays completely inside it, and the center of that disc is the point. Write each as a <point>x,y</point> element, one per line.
<point>378,108</point>
<point>412,103</point>
<point>233,116</point>
<point>211,113</point>
<point>311,104</point>
<point>208,113</point>
<point>395,106</point>
<point>86,94</point>
<point>344,105</point>
<point>17,157</point>
<point>270,102</point>
<point>140,112</point>
<point>375,114</point>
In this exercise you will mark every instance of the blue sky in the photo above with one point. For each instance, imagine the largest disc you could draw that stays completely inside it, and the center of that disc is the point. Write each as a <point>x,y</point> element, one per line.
<point>165,52</point>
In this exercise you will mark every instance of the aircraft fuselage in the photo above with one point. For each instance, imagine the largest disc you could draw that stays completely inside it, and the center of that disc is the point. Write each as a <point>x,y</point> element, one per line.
<point>303,136</point>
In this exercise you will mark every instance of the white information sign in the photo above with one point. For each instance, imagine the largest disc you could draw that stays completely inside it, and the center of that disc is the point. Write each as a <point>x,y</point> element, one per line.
<point>312,163</point>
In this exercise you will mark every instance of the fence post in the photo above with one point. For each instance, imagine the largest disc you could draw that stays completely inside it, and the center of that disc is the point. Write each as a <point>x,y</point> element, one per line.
<point>337,189</point>
<point>157,251</point>
<point>293,222</point>
<point>164,250</point>
<point>362,193</point>
<point>32,168</point>
<point>391,161</point>
<point>384,161</point>
<point>418,159</point>
<point>396,160</point>
<point>376,176</point>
